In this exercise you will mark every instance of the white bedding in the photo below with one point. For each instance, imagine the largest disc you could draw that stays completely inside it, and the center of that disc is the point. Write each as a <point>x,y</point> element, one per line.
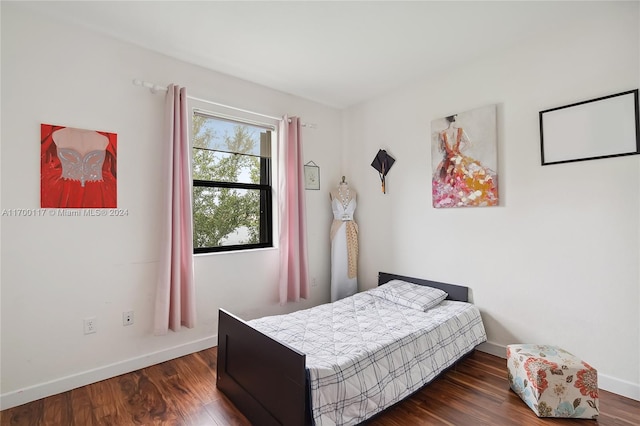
<point>365,353</point>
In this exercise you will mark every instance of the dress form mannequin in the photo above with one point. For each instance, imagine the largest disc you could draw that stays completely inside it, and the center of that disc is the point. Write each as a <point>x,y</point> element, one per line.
<point>344,242</point>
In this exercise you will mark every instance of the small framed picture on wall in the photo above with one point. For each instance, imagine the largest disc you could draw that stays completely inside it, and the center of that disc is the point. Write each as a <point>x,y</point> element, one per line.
<point>311,176</point>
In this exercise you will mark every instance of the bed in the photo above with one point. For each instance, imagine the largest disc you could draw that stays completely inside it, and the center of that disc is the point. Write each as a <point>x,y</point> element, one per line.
<point>279,371</point>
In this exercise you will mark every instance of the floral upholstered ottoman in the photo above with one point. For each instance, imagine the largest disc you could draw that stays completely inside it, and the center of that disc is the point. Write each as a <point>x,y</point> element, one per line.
<point>553,382</point>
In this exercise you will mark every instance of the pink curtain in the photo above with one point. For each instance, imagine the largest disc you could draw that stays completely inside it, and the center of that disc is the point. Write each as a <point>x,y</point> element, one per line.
<point>175,297</point>
<point>294,265</point>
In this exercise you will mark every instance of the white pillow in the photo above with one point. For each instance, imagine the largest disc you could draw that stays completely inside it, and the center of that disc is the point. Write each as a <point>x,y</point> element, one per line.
<point>410,295</point>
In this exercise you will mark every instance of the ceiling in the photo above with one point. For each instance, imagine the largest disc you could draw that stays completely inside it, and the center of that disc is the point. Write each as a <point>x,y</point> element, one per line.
<point>336,53</point>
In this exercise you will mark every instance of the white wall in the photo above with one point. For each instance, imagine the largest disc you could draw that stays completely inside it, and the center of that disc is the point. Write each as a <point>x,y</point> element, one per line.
<point>557,261</point>
<point>58,270</point>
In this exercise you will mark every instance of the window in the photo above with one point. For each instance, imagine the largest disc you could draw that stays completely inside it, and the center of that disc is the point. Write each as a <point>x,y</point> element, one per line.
<point>232,207</point>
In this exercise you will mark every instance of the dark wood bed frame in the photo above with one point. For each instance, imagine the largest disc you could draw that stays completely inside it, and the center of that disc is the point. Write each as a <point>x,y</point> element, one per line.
<point>267,379</point>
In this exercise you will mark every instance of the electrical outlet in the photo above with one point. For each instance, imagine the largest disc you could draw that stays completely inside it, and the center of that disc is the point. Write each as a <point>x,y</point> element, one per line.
<point>90,325</point>
<point>314,283</point>
<point>127,318</point>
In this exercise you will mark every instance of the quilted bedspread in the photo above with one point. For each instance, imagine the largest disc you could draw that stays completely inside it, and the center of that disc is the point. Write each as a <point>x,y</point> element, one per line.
<point>365,353</point>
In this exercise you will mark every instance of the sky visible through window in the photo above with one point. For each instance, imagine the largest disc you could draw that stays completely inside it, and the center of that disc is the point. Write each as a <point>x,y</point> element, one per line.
<point>222,128</point>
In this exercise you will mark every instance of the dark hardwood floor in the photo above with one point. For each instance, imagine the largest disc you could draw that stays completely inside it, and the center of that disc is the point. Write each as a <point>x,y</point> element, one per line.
<point>183,392</point>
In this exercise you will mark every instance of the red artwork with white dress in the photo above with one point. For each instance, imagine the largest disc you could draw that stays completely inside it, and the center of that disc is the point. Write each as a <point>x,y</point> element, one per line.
<point>77,168</point>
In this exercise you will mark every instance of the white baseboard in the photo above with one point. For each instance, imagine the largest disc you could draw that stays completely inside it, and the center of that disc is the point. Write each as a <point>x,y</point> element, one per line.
<point>619,386</point>
<point>493,349</point>
<point>63,384</point>
<point>608,383</point>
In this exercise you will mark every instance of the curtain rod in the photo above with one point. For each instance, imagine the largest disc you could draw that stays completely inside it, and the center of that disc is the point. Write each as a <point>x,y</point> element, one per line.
<point>154,88</point>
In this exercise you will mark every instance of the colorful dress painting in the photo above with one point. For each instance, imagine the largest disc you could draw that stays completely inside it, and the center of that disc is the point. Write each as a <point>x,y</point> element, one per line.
<point>461,177</point>
<point>77,168</point>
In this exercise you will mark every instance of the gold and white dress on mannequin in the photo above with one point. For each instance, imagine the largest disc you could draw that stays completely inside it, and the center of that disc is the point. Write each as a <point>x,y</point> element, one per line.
<point>344,243</point>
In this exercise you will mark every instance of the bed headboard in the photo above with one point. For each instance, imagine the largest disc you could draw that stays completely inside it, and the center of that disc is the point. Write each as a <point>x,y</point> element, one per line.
<point>456,292</point>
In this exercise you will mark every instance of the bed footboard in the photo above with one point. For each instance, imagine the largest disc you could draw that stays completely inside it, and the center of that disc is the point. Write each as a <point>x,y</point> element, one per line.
<point>263,377</point>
